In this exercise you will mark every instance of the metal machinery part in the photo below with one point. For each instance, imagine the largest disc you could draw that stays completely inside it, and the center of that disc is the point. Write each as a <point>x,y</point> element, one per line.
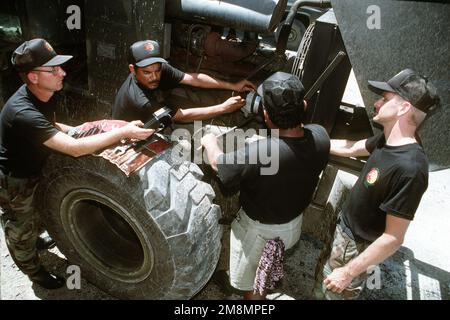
<point>260,16</point>
<point>287,25</point>
<point>299,62</point>
<point>421,43</point>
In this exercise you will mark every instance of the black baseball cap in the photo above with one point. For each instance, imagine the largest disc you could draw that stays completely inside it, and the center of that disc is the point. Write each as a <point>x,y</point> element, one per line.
<point>412,87</point>
<point>282,89</point>
<point>36,53</point>
<point>144,53</point>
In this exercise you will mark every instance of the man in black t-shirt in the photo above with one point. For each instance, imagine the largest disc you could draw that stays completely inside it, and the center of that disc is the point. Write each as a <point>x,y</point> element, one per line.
<point>141,94</point>
<point>272,197</point>
<point>28,133</point>
<point>383,201</point>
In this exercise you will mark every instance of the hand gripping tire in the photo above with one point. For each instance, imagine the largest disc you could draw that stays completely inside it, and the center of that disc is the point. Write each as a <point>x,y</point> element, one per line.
<point>154,235</point>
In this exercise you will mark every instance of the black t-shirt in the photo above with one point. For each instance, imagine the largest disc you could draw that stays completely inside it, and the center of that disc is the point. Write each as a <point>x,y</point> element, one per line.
<point>392,181</point>
<point>25,124</point>
<point>280,197</point>
<point>136,102</point>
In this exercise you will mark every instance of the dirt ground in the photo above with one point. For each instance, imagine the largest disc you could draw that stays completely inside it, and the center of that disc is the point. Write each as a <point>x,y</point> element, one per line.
<point>16,286</point>
<point>420,270</point>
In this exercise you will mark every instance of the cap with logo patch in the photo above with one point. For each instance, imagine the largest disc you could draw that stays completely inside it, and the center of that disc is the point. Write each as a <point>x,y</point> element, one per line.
<point>144,53</point>
<point>411,86</point>
<point>36,53</point>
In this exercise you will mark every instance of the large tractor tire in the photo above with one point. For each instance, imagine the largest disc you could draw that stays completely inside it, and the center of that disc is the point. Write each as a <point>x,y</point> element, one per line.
<point>153,235</point>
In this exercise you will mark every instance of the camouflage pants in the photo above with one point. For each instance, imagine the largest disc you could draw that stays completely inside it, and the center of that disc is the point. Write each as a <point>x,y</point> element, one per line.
<point>343,250</point>
<point>19,221</point>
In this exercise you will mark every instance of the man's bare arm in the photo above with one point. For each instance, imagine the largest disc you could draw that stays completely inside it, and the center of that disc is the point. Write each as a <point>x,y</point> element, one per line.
<point>213,151</point>
<point>63,127</point>
<point>202,80</point>
<point>347,148</point>
<point>191,114</point>
<point>382,248</point>
<point>63,143</point>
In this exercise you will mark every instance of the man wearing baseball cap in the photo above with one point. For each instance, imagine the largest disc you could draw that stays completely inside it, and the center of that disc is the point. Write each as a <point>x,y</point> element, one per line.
<point>382,203</point>
<point>28,133</point>
<point>271,204</point>
<point>150,75</point>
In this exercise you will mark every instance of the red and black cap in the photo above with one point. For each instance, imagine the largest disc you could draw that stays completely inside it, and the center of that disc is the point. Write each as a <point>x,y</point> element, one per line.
<point>36,53</point>
<point>412,87</point>
<point>145,53</point>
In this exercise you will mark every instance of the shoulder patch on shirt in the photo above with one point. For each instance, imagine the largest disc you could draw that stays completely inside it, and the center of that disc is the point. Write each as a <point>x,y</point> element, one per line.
<point>372,177</point>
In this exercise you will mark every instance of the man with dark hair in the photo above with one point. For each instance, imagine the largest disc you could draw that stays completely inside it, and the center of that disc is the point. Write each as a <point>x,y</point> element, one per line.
<point>28,133</point>
<point>271,205</point>
<point>142,92</point>
<point>382,203</point>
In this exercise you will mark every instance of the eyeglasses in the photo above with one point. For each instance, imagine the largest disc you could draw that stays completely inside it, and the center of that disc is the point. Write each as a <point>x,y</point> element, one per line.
<point>54,71</point>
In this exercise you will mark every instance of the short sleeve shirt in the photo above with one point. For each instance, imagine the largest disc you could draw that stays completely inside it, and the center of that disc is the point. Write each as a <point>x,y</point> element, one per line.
<point>392,181</point>
<point>135,102</point>
<point>25,124</point>
<point>277,176</point>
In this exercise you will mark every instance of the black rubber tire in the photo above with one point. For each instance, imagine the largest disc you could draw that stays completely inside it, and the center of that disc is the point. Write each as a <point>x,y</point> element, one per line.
<point>154,235</point>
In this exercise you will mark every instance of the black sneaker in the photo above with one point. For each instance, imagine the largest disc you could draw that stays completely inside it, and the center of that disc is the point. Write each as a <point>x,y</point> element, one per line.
<point>47,280</point>
<point>45,243</point>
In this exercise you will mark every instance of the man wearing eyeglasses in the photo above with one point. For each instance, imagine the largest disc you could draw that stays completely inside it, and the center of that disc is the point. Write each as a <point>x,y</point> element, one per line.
<point>28,133</point>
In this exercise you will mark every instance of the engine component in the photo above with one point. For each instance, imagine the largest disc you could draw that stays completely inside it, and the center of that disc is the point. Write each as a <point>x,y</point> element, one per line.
<point>259,16</point>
